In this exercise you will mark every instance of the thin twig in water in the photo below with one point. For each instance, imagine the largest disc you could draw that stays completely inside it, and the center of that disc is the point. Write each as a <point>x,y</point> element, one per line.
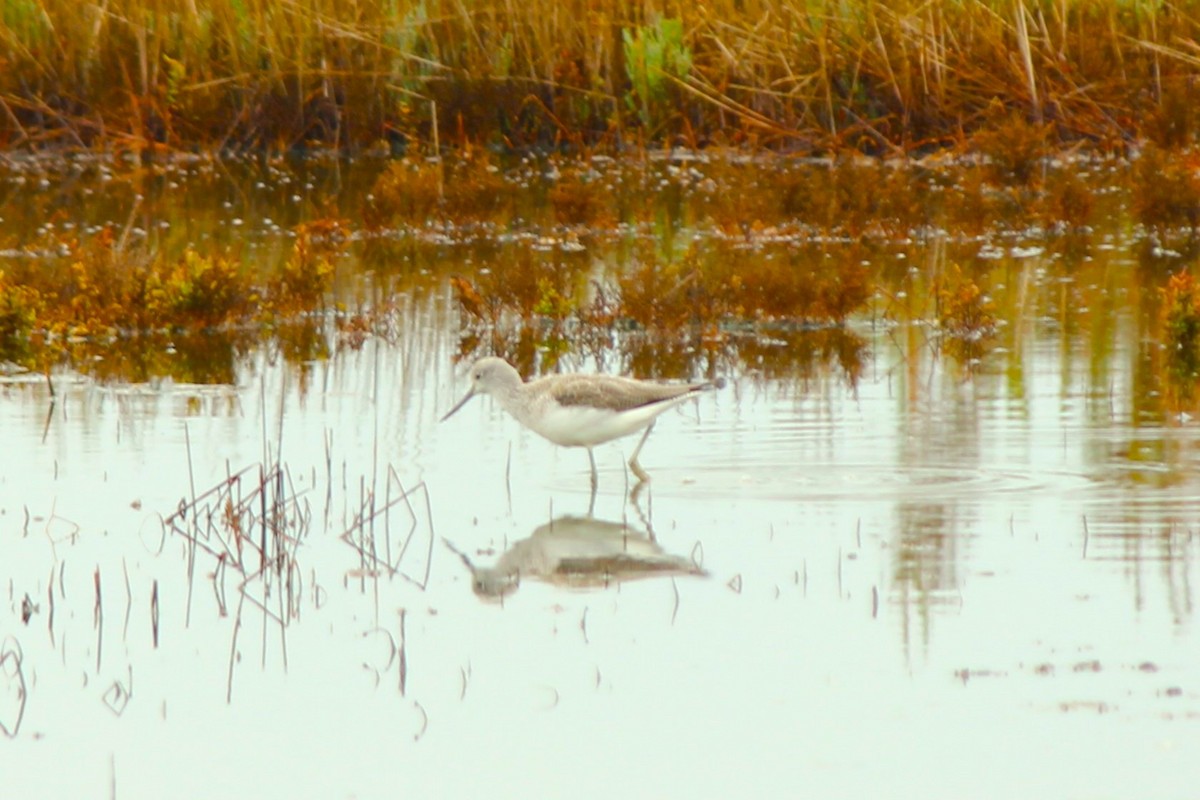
<point>675,608</point>
<point>154,612</point>
<point>328,474</point>
<point>839,573</point>
<point>218,581</point>
<point>98,618</point>
<point>237,626</point>
<point>12,665</point>
<point>128,601</point>
<point>403,667</point>
<point>50,602</point>
<point>424,721</point>
<point>187,442</point>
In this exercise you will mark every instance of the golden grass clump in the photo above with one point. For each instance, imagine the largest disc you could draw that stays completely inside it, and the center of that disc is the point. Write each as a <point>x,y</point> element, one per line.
<point>578,200</point>
<point>655,295</point>
<point>302,281</point>
<point>791,287</point>
<point>530,285</point>
<point>415,191</point>
<point>195,292</point>
<point>964,311</point>
<point>1013,147</point>
<point>847,197</point>
<point>406,190</point>
<point>966,316</point>
<point>1166,190</point>
<point>724,285</point>
<point>1068,200</point>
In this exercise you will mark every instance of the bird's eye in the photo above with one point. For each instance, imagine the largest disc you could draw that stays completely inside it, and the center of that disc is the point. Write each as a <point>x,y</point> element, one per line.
<point>478,375</point>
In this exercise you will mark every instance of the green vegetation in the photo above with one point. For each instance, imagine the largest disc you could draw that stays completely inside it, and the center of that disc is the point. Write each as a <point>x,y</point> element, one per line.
<point>656,58</point>
<point>145,75</point>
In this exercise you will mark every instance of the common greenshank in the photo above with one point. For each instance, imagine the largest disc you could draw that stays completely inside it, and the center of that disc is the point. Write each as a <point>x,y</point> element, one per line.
<point>579,410</point>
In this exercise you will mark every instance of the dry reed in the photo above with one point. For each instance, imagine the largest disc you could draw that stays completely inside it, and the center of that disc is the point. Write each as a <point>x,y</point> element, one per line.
<point>146,75</point>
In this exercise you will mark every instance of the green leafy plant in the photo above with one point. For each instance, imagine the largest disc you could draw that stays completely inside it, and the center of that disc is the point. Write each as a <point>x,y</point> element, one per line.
<point>654,55</point>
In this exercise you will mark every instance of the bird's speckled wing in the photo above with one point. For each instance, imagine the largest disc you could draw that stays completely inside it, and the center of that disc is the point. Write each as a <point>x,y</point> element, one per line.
<point>613,393</point>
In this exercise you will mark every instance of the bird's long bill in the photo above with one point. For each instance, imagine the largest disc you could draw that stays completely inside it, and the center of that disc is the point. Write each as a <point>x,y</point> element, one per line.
<point>470,393</point>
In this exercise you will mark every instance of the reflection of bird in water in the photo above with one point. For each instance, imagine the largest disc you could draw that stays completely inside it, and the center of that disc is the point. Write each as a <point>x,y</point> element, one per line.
<point>579,410</point>
<point>577,552</point>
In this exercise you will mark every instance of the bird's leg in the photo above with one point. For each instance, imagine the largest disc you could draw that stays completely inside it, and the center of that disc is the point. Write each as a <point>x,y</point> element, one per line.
<point>595,478</point>
<point>633,461</point>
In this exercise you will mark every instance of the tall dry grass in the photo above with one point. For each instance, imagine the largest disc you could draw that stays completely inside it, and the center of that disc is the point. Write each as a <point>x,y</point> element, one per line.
<point>876,76</point>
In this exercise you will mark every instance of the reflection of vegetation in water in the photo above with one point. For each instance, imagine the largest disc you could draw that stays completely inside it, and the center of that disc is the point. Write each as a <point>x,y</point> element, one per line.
<point>965,315</point>
<point>1181,326</point>
<point>703,256</point>
<point>1166,190</point>
<point>924,566</point>
<point>202,357</point>
<point>100,293</point>
<point>804,354</point>
<point>19,310</point>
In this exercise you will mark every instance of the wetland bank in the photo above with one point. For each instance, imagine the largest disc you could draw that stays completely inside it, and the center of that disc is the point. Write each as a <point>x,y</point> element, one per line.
<point>940,519</point>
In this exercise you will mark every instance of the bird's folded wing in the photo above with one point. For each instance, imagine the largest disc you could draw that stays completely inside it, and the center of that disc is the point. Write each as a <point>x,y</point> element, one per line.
<point>616,394</point>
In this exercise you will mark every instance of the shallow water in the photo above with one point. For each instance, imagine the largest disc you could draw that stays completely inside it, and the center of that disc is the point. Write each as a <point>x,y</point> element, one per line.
<point>921,575</point>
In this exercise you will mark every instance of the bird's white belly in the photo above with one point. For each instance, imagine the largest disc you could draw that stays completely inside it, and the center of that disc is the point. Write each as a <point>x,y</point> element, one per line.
<point>585,426</point>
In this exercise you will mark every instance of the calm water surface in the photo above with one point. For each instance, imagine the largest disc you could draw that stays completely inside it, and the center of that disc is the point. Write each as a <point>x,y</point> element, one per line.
<point>926,578</point>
